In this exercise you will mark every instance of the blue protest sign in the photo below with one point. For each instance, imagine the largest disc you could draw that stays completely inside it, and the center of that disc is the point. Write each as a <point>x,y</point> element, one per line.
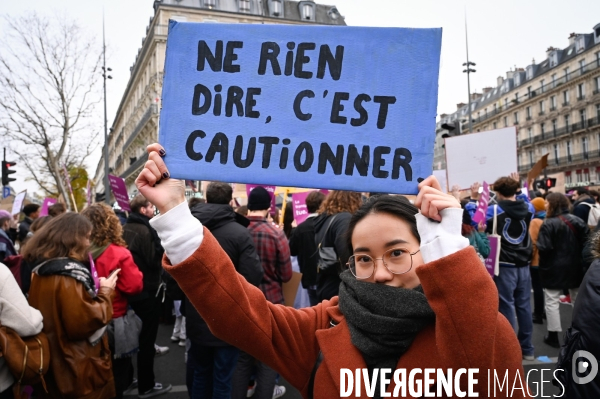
<point>344,108</point>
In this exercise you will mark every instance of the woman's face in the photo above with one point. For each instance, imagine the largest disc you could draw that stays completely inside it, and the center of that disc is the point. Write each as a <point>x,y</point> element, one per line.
<point>377,233</point>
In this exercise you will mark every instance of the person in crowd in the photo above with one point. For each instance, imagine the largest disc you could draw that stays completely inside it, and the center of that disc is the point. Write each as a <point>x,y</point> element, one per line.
<point>302,245</point>
<point>32,212</point>
<point>211,362</point>
<point>195,201</point>
<point>477,237</point>
<point>414,295</point>
<point>242,210</point>
<point>121,215</point>
<point>581,203</point>
<point>583,333</point>
<point>301,299</point>
<point>560,244</point>
<point>274,253</point>
<point>26,267</point>
<point>16,314</point>
<point>514,281</point>
<point>76,306</point>
<point>147,251</point>
<point>7,223</point>
<point>534,230</point>
<point>110,255</point>
<point>57,209</point>
<point>595,195</point>
<point>330,226</point>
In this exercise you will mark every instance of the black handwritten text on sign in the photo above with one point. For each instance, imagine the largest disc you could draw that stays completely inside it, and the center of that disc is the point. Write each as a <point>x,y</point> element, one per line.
<point>311,106</point>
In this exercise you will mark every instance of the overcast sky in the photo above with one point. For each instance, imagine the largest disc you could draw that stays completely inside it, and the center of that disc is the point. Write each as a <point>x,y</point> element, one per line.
<point>502,35</point>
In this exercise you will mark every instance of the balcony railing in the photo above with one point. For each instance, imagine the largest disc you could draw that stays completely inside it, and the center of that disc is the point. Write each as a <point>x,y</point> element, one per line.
<point>134,166</point>
<point>152,110</point>
<point>541,113</point>
<point>580,98</point>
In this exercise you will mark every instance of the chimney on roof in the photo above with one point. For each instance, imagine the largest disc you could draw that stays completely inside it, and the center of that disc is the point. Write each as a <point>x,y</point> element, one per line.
<point>476,96</point>
<point>443,115</point>
<point>509,74</point>
<point>459,106</point>
<point>550,50</point>
<point>486,90</point>
<point>572,38</point>
<point>520,70</point>
<point>500,80</point>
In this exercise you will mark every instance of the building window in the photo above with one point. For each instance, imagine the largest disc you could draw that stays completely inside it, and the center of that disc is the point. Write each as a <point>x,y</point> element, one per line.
<point>542,88</point>
<point>543,129</point>
<point>307,10</point>
<point>210,3</point>
<point>556,154</point>
<point>516,118</point>
<point>569,150</point>
<point>552,103</point>
<point>586,175</point>
<point>529,133</point>
<point>554,126</point>
<point>531,158</point>
<point>582,66</point>
<point>553,80</point>
<point>568,178</point>
<point>505,102</point>
<point>579,176</point>
<point>276,8</point>
<point>584,147</point>
<point>567,122</point>
<point>506,121</point>
<point>580,91</point>
<point>244,5</point>
<point>566,74</point>
<point>598,113</point>
<point>597,84</point>
<point>528,111</point>
<point>582,118</point>
<point>542,107</point>
<point>566,97</point>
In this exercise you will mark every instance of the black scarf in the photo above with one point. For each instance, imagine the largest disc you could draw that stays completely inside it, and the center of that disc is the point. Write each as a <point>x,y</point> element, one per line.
<point>70,268</point>
<point>135,217</point>
<point>383,320</point>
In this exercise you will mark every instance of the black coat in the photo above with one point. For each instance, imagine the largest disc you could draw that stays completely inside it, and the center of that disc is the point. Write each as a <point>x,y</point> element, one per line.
<point>583,335</point>
<point>561,261</point>
<point>513,218</point>
<point>328,282</point>
<point>230,230</point>
<point>302,245</point>
<point>580,209</point>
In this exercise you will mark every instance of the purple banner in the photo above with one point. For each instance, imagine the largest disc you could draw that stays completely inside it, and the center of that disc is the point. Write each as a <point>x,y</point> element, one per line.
<point>117,186</point>
<point>270,190</point>
<point>491,262</point>
<point>48,202</point>
<point>482,205</point>
<point>299,206</point>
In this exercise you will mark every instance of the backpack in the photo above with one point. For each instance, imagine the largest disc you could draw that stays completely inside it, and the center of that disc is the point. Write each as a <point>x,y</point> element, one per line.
<point>594,216</point>
<point>28,359</point>
<point>14,263</point>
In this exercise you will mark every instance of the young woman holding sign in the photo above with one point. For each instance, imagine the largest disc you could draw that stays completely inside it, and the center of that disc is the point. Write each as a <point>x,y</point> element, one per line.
<point>415,298</point>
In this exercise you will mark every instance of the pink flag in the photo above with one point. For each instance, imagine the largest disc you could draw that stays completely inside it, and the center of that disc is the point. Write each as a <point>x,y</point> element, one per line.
<point>48,202</point>
<point>117,186</point>
<point>482,206</point>
<point>299,206</point>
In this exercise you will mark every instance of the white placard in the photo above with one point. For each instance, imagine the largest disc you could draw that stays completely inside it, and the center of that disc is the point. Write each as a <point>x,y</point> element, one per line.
<point>18,203</point>
<point>479,157</point>
<point>440,175</point>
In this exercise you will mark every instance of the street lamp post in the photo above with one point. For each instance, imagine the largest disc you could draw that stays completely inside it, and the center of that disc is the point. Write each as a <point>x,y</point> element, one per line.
<point>468,71</point>
<point>105,76</point>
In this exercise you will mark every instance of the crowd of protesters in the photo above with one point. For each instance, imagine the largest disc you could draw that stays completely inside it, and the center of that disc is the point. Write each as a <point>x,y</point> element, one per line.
<point>94,283</point>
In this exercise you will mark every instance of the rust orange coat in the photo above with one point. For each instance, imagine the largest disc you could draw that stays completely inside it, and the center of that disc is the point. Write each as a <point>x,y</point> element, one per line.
<point>468,331</point>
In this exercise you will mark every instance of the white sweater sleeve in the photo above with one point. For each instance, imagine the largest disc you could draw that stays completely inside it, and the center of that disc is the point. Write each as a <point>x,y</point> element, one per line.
<point>15,312</point>
<point>180,233</point>
<point>439,239</point>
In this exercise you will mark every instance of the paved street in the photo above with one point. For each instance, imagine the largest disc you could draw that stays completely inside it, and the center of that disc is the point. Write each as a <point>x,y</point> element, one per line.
<point>171,367</point>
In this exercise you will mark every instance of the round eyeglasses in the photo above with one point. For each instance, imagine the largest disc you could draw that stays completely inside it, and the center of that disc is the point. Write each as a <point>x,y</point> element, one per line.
<point>396,260</point>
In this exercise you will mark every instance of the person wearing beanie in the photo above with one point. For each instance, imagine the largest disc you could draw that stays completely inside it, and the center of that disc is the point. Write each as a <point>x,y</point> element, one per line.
<point>534,230</point>
<point>274,252</point>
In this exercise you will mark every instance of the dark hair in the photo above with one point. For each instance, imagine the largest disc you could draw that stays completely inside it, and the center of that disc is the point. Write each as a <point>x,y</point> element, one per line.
<point>394,205</point>
<point>219,193</point>
<point>30,208</point>
<point>288,219</point>
<point>138,202</point>
<point>314,201</point>
<point>57,209</point>
<point>557,204</point>
<point>62,237</point>
<point>582,191</point>
<point>506,186</point>
<point>242,210</point>
<point>195,201</point>
<point>3,220</point>
<point>595,194</point>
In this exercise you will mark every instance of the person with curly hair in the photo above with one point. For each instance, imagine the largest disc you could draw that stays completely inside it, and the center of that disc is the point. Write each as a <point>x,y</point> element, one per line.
<point>330,228</point>
<point>111,255</point>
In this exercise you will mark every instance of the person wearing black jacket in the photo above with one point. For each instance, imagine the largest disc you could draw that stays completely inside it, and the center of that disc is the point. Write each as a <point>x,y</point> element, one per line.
<point>583,334</point>
<point>330,231</point>
<point>211,362</point>
<point>560,243</point>
<point>302,245</point>
<point>514,280</point>
<point>32,212</point>
<point>144,244</point>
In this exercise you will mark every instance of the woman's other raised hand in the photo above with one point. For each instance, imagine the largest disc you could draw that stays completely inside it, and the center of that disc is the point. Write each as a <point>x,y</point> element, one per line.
<point>431,200</point>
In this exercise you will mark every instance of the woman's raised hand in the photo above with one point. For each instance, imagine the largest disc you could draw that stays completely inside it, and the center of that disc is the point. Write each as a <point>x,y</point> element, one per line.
<point>431,200</point>
<point>170,192</point>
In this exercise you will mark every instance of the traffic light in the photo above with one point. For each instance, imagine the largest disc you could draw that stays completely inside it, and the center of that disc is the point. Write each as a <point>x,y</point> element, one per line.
<point>6,171</point>
<point>545,184</point>
<point>452,128</point>
<point>550,182</point>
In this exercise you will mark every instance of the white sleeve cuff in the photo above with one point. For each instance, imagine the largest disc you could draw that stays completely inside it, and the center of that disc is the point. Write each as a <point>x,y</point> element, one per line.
<point>440,239</point>
<point>180,233</point>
